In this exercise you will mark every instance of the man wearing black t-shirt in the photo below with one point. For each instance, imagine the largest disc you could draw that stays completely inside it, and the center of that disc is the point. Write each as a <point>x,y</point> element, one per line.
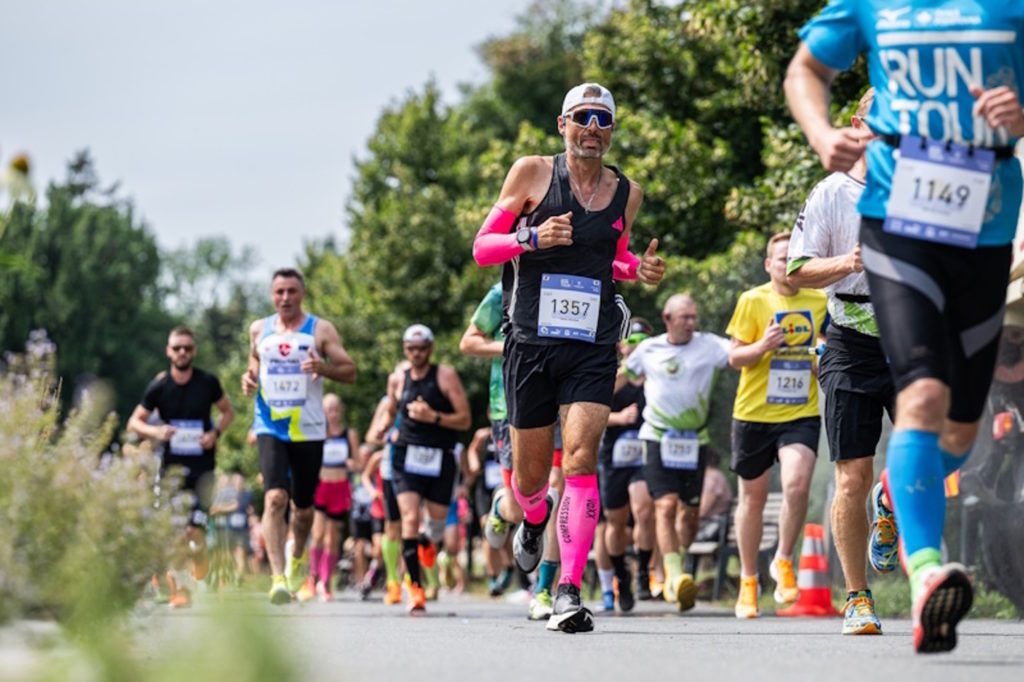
<point>183,396</point>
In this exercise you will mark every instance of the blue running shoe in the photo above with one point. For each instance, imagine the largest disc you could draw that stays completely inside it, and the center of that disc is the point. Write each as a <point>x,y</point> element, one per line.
<point>859,615</point>
<point>884,551</point>
<point>608,600</point>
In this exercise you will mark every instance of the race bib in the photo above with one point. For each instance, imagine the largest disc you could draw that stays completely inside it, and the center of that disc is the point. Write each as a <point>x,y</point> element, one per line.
<point>680,450</point>
<point>423,461</point>
<point>284,385</point>
<point>386,468</point>
<point>939,191</point>
<point>628,451</point>
<point>492,475</point>
<point>569,307</point>
<point>335,452</point>
<point>185,440</point>
<point>789,381</point>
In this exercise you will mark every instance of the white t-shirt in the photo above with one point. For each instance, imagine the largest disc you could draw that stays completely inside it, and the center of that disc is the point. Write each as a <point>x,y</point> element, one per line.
<point>829,225</point>
<point>677,381</point>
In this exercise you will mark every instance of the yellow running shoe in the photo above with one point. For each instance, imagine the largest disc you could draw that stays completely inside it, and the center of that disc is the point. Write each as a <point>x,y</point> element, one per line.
<point>393,594</point>
<point>746,604</point>
<point>684,591</point>
<point>307,591</point>
<point>781,571</point>
<point>295,569</point>
<point>279,592</point>
<point>657,587</point>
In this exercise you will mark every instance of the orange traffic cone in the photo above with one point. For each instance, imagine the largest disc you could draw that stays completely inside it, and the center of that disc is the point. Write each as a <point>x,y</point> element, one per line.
<point>815,595</point>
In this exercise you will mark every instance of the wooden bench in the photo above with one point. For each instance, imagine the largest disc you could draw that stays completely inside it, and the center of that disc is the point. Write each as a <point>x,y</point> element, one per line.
<point>724,546</point>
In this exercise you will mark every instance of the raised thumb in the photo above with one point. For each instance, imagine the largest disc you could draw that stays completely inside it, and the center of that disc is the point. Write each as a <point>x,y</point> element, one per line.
<point>652,247</point>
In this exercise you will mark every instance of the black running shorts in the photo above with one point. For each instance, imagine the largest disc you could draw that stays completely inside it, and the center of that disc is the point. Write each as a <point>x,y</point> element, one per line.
<point>661,481</point>
<point>540,378</point>
<point>940,312</point>
<point>755,445</point>
<point>293,466</point>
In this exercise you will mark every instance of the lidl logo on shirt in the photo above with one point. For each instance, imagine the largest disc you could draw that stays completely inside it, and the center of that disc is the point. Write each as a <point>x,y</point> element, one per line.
<point>797,325</point>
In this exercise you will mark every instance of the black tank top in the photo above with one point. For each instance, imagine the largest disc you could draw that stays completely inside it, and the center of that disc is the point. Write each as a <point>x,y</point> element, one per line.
<point>629,394</point>
<point>412,432</point>
<point>595,238</point>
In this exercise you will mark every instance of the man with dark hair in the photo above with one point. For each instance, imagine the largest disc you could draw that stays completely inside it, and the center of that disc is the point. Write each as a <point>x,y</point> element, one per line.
<point>561,229</point>
<point>290,354</point>
<point>854,375</point>
<point>183,396</point>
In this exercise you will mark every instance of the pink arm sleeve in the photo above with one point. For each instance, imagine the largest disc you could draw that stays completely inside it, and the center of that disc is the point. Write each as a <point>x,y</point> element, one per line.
<point>495,243</point>
<point>625,265</point>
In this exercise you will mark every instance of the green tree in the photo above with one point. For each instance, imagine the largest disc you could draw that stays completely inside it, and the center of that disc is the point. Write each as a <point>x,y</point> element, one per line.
<point>92,283</point>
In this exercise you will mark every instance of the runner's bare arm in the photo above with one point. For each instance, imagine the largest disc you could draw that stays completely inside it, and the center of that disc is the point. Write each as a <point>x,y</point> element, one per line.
<point>341,367</point>
<point>450,385</point>
<point>743,354</point>
<point>807,92</point>
<point>816,273</point>
<point>227,415</point>
<point>476,344</point>
<point>250,378</point>
<point>137,424</point>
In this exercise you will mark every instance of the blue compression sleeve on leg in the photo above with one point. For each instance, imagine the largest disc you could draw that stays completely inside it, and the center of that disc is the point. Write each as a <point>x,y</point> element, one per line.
<point>546,575</point>
<point>915,465</point>
<point>951,462</point>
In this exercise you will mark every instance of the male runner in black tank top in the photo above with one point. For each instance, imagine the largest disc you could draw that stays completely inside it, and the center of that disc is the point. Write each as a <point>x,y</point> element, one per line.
<point>433,409</point>
<point>561,230</point>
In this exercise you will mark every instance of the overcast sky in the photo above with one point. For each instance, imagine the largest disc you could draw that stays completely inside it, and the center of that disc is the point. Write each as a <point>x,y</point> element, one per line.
<point>234,118</point>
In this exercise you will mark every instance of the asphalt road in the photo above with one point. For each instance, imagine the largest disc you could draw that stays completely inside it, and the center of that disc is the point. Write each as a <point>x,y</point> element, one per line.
<point>473,638</point>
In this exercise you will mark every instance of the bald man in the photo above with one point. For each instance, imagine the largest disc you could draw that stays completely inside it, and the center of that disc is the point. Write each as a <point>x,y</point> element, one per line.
<point>678,369</point>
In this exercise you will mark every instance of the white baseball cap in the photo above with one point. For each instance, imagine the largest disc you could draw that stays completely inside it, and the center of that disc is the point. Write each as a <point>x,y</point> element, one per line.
<point>578,96</point>
<point>418,332</point>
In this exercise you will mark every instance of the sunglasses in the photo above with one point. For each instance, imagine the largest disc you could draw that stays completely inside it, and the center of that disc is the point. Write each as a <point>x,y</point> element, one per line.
<point>418,349</point>
<point>634,339</point>
<point>582,117</point>
<point>187,349</point>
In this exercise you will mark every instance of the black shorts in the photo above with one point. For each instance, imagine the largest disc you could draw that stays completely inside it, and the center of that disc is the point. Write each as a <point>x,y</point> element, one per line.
<point>197,480</point>
<point>940,312</point>
<point>614,484</point>
<point>661,480</point>
<point>502,443</point>
<point>391,511</point>
<point>857,385</point>
<point>293,466</point>
<point>437,489</point>
<point>755,445</point>
<point>540,378</point>
<point>363,529</point>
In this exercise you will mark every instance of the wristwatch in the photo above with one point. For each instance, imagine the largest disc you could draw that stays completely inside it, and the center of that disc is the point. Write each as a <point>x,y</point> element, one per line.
<point>524,235</point>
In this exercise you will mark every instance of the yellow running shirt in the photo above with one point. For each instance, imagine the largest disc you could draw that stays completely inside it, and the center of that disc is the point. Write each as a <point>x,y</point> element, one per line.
<point>781,387</point>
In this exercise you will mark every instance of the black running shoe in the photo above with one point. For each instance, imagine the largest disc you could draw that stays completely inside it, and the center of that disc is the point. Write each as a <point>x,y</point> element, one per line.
<point>529,541</point>
<point>626,601</point>
<point>569,614</point>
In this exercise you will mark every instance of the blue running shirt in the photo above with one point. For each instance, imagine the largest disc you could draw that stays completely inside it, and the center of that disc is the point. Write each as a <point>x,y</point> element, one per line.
<point>922,56</point>
<point>289,404</point>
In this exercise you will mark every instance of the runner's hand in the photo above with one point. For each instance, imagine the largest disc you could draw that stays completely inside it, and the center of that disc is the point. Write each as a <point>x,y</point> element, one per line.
<point>999,107</point>
<point>773,336</point>
<point>208,440</point>
<point>249,383</point>
<point>421,411</point>
<point>312,365</point>
<point>555,231</point>
<point>855,263</point>
<point>165,432</point>
<point>651,268</point>
<point>630,413</point>
<point>840,148</point>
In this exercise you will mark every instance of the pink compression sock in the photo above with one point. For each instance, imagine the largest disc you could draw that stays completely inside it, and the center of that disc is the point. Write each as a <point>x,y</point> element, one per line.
<point>577,520</point>
<point>327,564</point>
<point>314,561</point>
<point>535,506</point>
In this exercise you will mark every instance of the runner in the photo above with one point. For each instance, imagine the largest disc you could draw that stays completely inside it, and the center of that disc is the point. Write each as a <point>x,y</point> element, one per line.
<point>775,416</point>
<point>561,228</point>
<point>331,502</point>
<point>679,369</point>
<point>367,525</point>
<point>290,354</point>
<point>620,466</point>
<point>433,408</point>
<point>183,395</point>
<point>854,375</point>
<point>947,77</point>
<point>486,473</point>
